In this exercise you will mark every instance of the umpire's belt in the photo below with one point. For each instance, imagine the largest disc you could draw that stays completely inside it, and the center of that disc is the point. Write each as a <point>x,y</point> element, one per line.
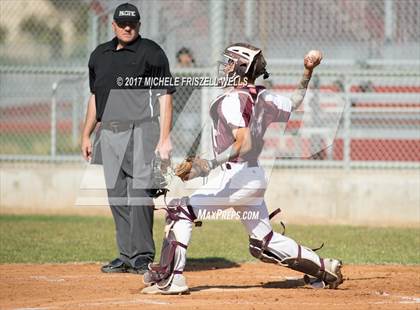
<point>120,126</point>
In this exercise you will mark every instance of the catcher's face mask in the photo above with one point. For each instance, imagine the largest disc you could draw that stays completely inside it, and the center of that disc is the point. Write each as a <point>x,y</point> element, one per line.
<point>226,67</point>
<point>237,60</point>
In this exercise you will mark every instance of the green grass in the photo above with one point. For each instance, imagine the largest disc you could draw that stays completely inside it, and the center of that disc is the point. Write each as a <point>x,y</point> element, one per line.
<point>42,239</point>
<point>35,143</point>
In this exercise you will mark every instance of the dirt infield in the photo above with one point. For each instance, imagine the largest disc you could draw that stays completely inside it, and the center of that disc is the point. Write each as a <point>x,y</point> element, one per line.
<point>232,286</point>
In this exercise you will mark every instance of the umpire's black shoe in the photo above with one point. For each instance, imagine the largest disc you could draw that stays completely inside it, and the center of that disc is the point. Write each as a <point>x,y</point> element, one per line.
<point>117,265</point>
<point>140,267</point>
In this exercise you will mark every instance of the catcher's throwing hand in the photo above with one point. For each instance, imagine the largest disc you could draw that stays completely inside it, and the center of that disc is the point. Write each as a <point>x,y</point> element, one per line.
<point>193,167</point>
<point>312,59</point>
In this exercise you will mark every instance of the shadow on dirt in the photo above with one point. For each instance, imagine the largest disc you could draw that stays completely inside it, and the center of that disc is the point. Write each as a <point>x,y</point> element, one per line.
<point>287,283</point>
<point>366,279</point>
<point>216,288</point>
<point>209,263</point>
<point>284,284</point>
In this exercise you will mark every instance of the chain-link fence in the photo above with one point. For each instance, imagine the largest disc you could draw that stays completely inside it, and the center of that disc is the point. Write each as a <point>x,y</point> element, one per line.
<point>64,32</point>
<point>358,119</point>
<point>363,109</point>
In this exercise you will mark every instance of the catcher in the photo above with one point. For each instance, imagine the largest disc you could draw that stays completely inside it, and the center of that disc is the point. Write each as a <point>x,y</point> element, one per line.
<point>240,118</point>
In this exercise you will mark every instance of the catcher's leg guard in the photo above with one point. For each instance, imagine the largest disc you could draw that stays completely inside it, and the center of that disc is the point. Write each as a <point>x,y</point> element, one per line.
<point>179,219</point>
<point>259,249</point>
<point>163,272</point>
<point>328,270</point>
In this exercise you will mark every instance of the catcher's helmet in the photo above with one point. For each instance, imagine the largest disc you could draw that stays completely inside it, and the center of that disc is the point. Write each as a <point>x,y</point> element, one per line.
<point>244,60</point>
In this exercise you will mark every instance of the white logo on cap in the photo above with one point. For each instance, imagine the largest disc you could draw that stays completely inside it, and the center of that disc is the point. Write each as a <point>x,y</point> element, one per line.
<point>127,13</point>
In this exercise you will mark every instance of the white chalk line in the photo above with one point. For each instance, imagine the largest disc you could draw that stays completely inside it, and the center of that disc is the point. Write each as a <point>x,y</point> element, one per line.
<point>120,302</point>
<point>37,308</point>
<point>110,302</point>
<point>64,277</point>
<point>403,299</point>
<point>47,279</point>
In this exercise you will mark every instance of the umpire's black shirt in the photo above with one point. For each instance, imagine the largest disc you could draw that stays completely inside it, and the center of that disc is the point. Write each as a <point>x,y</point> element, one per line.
<point>120,73</point>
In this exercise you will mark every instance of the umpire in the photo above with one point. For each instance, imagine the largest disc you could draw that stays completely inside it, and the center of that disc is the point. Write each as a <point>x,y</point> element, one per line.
<point>135,121</point>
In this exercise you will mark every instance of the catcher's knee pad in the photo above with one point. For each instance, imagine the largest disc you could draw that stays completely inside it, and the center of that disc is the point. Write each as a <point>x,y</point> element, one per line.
<point>259,249</point>
<point>180,209</point>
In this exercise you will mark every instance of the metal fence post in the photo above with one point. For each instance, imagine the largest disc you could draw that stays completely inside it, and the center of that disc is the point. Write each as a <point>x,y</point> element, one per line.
<point>75,119</point>
<point>389,21</point>
<point>250,19</point>
<point>347,126</point>
<point>53,147</point>
<point>154,19</point>
<point>205,133</point>
<point>109,30</point>
<point>217,27</point>
<point>93,42</point>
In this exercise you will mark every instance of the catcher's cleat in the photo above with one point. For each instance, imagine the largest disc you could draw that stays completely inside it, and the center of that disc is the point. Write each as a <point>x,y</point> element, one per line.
<point>333,266</point>
<point>148,278</point>
<point>178,286</point>
<point>314,282</point>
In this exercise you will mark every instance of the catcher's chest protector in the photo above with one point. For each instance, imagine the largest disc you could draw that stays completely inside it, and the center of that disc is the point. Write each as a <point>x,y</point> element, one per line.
<point>244,107</point>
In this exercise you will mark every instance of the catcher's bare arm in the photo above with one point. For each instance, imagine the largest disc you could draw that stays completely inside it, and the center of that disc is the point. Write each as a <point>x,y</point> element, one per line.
<point>241,146</point>
<point>311,60</point>
<point>193,167</point>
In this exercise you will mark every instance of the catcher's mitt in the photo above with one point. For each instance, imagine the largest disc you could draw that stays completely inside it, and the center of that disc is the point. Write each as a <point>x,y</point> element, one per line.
<point>192,167</point>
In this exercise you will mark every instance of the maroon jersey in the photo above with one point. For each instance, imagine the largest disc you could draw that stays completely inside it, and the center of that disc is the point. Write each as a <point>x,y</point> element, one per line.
<point>251,106</point>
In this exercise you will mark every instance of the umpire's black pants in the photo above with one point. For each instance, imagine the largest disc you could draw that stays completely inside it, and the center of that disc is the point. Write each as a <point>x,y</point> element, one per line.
<point>127,157</point>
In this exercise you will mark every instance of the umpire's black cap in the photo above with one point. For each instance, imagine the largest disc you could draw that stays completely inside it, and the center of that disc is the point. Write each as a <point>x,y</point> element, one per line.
<point>126,12</point>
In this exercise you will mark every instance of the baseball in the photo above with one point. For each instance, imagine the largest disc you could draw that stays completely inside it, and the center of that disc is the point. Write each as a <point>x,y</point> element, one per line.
<point>315,55</point>
<point>312,59</point>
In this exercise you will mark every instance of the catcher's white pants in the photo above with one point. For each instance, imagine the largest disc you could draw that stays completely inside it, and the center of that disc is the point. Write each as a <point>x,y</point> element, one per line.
<point>241,188</point>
